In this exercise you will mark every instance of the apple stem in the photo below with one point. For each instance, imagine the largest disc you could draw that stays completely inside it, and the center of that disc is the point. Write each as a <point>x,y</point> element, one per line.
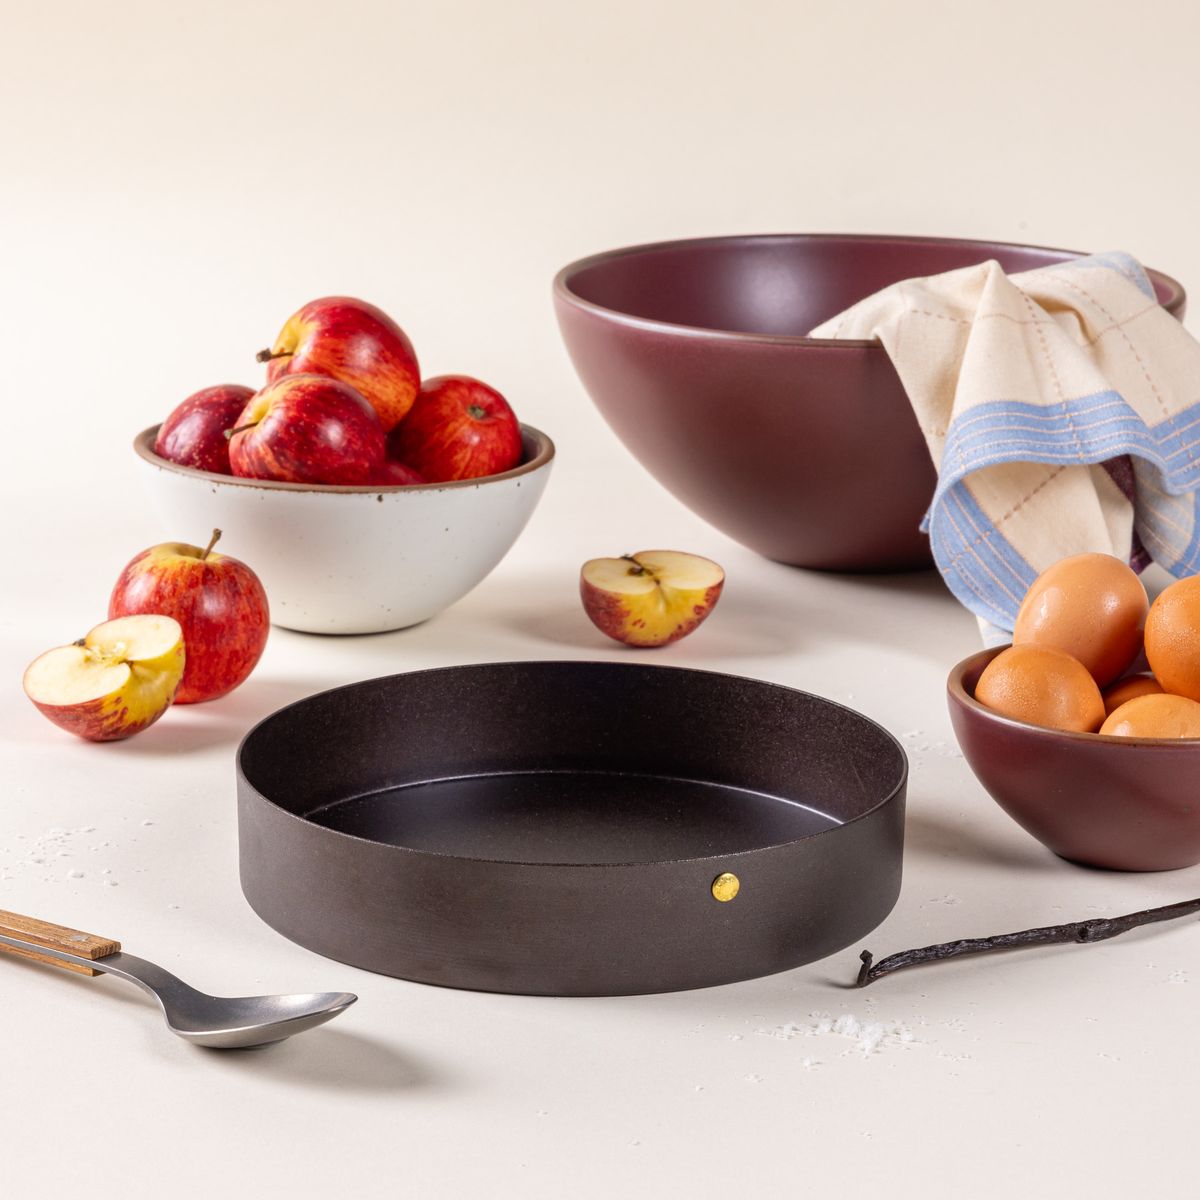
<point>212,541</point>
<point>267,355</point>
<point>229,433</point>
<point>637,568</point>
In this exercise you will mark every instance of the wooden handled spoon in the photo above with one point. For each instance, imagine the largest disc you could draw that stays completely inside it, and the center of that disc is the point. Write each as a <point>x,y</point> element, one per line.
<point>219,1022</point>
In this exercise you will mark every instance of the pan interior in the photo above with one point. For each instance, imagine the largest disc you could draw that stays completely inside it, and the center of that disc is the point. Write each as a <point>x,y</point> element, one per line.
<point>572,817</point>
<point>572,763</point>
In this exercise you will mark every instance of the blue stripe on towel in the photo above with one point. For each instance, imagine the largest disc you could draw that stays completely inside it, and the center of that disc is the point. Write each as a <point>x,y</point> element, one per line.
<point>1188,563</point>
<point>1086,430</point>
<point>979,564</point>
<point>1123,264</point>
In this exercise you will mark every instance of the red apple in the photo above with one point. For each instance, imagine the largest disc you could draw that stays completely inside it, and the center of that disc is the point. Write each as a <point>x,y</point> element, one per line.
<point>218,601</point>
<point>395,474</point>
<point>355,342</point>
<point>652,597</point>
<point>195,434</point>
<point>459,428</point>
<point>112,683</point>
<point>308,429</point>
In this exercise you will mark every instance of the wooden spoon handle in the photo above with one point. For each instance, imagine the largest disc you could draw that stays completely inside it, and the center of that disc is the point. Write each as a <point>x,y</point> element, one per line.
<point>55,937</point>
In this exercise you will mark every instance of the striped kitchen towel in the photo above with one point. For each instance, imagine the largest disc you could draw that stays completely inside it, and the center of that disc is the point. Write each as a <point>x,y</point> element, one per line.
<point>1062,410</point>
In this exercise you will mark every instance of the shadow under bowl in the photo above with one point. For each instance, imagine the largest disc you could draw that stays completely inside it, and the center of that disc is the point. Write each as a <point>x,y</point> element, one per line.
<point>353,559</point>
<point>803,449</point>
<point>1128,804</point>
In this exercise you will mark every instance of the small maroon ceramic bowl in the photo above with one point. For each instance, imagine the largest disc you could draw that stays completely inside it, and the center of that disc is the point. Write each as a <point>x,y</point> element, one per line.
<point>803,449</point>
<point>1131,804</point>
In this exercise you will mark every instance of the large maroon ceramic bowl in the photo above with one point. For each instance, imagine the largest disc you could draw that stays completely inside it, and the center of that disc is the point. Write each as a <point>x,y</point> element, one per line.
<point>1132,804</point>
<point>803,449</point>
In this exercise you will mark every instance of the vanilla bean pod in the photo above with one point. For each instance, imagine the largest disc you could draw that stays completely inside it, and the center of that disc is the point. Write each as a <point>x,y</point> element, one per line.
<point>1095,930</point>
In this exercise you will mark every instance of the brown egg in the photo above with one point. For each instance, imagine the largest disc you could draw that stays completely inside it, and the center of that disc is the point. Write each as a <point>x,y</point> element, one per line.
<point>1090,606</point>
<point>1041,686</point>
<point>1173,638</point>
<point>1159,716</point>
<point>1129,689</point>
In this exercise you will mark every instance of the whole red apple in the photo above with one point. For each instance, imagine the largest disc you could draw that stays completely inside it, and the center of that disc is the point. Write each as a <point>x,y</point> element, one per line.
<point>308,429</point>
<point>218,601</point>
<point>195,434</point>
<point>459,428</point>
<point>396,474</point>
<point>355,342</point>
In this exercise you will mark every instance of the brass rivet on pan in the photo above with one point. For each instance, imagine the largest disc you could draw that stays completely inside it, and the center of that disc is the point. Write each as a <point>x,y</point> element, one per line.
<point>725,886</point>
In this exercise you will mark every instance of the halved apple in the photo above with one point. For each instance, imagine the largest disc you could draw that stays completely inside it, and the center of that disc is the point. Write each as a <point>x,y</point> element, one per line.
<point>114,682</point>
<point>650,598</point>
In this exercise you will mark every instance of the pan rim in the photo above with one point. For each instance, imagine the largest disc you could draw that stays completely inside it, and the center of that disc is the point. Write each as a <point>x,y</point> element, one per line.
<point>897,789</point>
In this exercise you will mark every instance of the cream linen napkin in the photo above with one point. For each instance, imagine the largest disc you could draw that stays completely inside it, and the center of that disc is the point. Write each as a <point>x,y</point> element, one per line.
<point>1062,410</point>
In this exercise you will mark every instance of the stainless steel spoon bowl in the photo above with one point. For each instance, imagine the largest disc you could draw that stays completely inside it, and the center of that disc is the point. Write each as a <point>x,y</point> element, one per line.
<point>220,1022</point>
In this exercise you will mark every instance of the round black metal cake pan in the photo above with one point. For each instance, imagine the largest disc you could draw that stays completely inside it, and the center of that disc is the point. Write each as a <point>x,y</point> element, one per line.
<point>571,828</point>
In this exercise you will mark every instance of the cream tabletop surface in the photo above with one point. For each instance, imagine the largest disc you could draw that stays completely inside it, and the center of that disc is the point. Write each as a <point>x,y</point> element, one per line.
<point>178,180</point>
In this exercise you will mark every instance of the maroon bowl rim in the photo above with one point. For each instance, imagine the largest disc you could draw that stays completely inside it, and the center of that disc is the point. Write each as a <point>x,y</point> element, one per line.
<point>957,692</point>
<point>563,280</point>
<point>542,456</point>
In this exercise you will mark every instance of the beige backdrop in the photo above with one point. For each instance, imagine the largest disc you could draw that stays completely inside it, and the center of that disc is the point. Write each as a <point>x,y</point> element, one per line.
<point>178,178</point>
<point>175,181</point>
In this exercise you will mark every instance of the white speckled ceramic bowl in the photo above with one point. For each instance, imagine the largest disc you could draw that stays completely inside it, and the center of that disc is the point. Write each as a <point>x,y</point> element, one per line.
<point>353,559</point>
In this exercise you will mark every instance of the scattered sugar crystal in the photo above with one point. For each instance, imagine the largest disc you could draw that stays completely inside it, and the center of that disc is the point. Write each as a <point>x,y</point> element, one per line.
<point>110,883</point>
<point>147,822</point>
<point>866,1037</point>
<point>752,1078</point>
<point>785,1032</point>
<point>74,874</point>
